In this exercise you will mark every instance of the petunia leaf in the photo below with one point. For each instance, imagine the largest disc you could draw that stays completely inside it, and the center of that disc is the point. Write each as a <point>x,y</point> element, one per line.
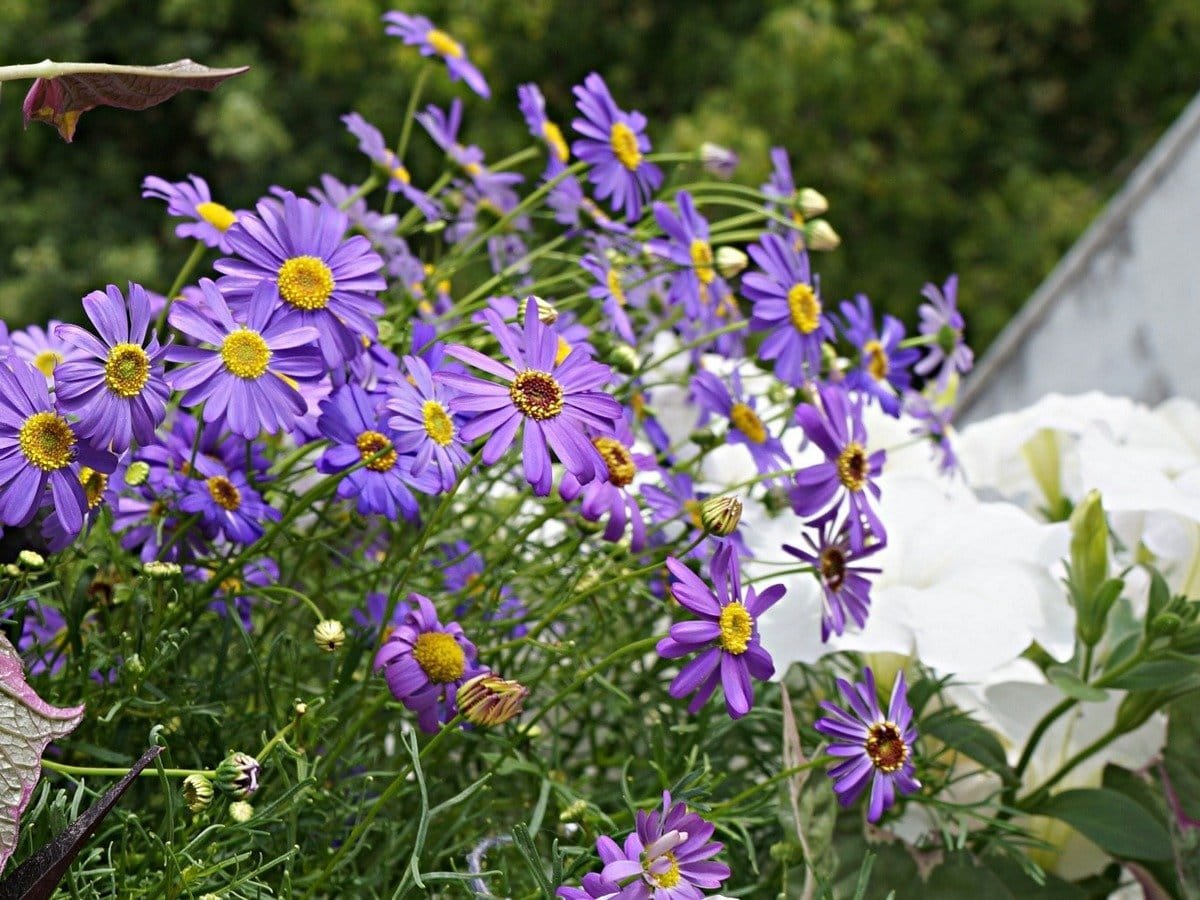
<point>27,724</point>
<point>59,99</point>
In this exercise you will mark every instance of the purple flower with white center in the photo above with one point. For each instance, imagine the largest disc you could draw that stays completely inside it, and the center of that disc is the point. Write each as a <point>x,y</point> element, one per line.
<point>726,634</point>
<point>696,283</point>
<point>533,107</point>
<point>352,419</point>
<point>848,472</point>
<point>41,455</point>
<point>614,144</point>
<point>43,639</point>
<point>874,748</point>
<point>614,497</point>
<point>942,321</point>
<point>208,220</point>
<point>610,291</point>
<point>555,401</point>
<point>425,663</point>
<point>787,304</point>
<point>246,374</point>
<point>372,144</point>
<point>845,588</point>
<point>117,387</point>
<point>424,424</point>
<point>746,428</point>
<point>227,504</point>
<point>42,348</point>
<point>883,365</point>
<point>320,277</point>
<point>418,31</point>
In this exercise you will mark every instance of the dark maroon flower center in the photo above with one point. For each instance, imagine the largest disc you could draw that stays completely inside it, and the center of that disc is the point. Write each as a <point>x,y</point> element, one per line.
<point>536,394</point>
<point>833,567</point>
<point>885,747</point>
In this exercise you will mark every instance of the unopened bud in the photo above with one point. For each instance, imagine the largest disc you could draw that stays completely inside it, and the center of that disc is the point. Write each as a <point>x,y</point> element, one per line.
<point>623,358</point>
<point>134,665</point>
<point>546,312</point>
<point>11,570</point>
<point>574,812</point>
<point>237,775</point>
<point>721,515</point>
<point>240,811</point>
<point>819,235</point>
<point>386,332</point>
<point>158,569</point>
<point>1165,625</point>
<point>811,203</point>
<point>329,635</point>
<point>197,792</point>
<point>31,559</point>
<point>718,160</point>
<point>136,473</point>
<point>489,700</point>
<point>730,261</point>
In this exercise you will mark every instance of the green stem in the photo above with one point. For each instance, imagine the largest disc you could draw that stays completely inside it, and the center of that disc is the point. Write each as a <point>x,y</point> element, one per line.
<point>410,114</point>
<point>118,772</point>
<point>184,274</point>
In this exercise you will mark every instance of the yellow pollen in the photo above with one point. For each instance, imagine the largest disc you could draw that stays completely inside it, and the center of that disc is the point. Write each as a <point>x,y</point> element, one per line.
<point>885,747</point>
<point>852,466</point>
<point>94,484</point>
<point>614,286</point>
<point>702,259</point>
<point>625,146</point>
<point>224,493</point>
<point>536,394</point>
<point>440,657</point>
<point>668,879</point>
<point>876,359</point>
<point>126,370</point>
<point>797,218</point>
<point>245,353</point>
<point>47,441</point>
<point>748,423</point>
<point>804,308</point>
<point>736,628</point>
<point>563,351</point>
<point>438,425</point>
<point>46,361</point>
<point>833,567</point>
<point>444,44</point>
<point>371,443</point>
<point>474,169</point>
<point>554,139</point>
<point>401,174</point>
<point>305,282</point>
<point>218,216</point>
<point>621,467</point>
<point>231,585</point>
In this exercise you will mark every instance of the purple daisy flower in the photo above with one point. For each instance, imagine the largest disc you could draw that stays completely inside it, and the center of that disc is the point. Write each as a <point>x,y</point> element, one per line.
<point>232,594</point>
<point>99,489</point>
<point>533,107</point>
<point>208,220</point>
<point>873,747</point>
<point>727,633</point>
<point>941,320</point>
<point>845,588</point>
<point>246,374</point>
<point>614,144</point>
<point>746,428</point>
<point>40,450</point>
<point>321,277</point>
<point>696,283</point>
<point>352,419</point>
<point>117,389</point>
<point>372,144</point>
<point>424,423</point>
<point>43,639</point>
<point>610,291</point>
<point>780,192</point>
<point>425,663</point>
<point>883,367</point>
<point>787,304</point>
<point>227,504</point>
<point>614,497</point>
<point>42,348</point>
<point>556,401</point>
<point>418,31</point>
<point>464,571</point>
<point>934,424</point>
<point>370,616</point>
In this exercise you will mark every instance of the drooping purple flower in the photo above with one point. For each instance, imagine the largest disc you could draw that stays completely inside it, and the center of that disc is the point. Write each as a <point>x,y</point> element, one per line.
<point>321,278</point>
<point>614,144</point>
<point>780,191</point>
<point>875,749</point>
<point>615,497</point>
<point>42,348</point>
<point>424,424</point>
<point>787,304</point>
<point>372,144</point>
<point>418,31</point>
<point>745,425</point>
<point>425,663</point>
<point>533,107</point>
<point>208,221</point>
<point>245,375</point>
<point>846,591</point>
<point>227,504</point>
<point>848,472</point>
<point>883,364</point>
<point>726,634</point>
<point>695,284</point>
<point>611,292</point>
<point>942,320</point>
<point>934,424</point>
<point>116,388</point>
<point>555,401</point>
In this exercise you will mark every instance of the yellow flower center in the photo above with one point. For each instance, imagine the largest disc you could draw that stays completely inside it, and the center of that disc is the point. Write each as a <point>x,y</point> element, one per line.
<point>231,585</point>
<point>94,484</point>
<point>126,370</point>
<point>45,362</point>
<point>748,423</point>
<point>736,628</point>
<point>554,138</point>
<point>376,450</point>
<point>692,508</point>
<point>440,657</point>
<point>804,308</point>
<point>401,174</point>
<point>47,441</point>
<point>625,146</point>
<point>833,567</point>
<point>245,353</point>
<point>621,467</point>
<point>536,394</point>
<point>668,878</point>
<point>438,424</point>
<point>305,282</point>
<point>852,466</point>
<point>443,44</point>
<point>876,359</point>
<point>885,747</point>
<point>218,216</point>
<point>702,259</point>
<point>224,493</point>
<point>614,286</point>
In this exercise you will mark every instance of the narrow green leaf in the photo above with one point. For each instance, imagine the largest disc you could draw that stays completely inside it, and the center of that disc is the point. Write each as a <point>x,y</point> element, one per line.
<point>962,733</point>
<point>1073,686</point>
<point>1111,821</point>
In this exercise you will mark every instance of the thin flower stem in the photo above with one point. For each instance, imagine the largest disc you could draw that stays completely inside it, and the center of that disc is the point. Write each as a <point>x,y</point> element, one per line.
<point>64,769</point>
<point>365,188</point>
<point>1064,770</point>
<point>185,273</point>
<point>406,129</point>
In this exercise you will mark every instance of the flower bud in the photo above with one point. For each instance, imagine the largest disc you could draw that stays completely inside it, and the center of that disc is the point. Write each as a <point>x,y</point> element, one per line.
<point>718,160</point>
<point>488,699</point>
<point>1165,625</point>
<point>197,792</point>
<point>574,812</point>
<point>730,261</point>
<point>158,569</point>
<point>811,203</point>
<point>721,515</point>
<point>237,775</point>
<point>137,473</point>
<point>11,570</point>
<point>624,359</point>
<point>240,811</point>
<point>329,635</point>
<point>546,312</point>
<point>819,235</point>
<point>1089,568</point>
<point>386,332</point>
<point>31,559</point>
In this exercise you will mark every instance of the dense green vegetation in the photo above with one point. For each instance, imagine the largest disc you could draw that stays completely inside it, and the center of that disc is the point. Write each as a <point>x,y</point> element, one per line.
<point>971,135</point>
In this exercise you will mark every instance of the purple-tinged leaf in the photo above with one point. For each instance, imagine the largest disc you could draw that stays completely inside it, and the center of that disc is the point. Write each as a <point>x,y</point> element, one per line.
<point>61,100</point>
<point>27,724</point>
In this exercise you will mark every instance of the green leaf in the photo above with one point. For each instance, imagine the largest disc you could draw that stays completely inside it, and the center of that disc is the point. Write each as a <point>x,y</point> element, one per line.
<point>962,733</point>
<point>1110,820</point>
<point>1155,674</point>
<point>1160,595</point>
<point>1073,686</point>
<point>1183,737</point>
